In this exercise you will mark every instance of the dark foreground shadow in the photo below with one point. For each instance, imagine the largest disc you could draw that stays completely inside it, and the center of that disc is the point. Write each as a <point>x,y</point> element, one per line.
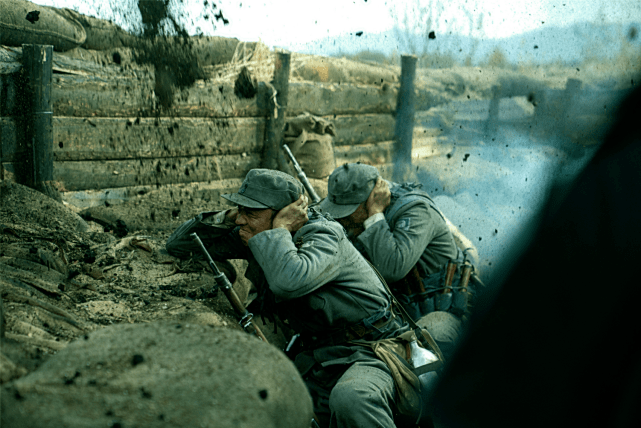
<point>558,344</point>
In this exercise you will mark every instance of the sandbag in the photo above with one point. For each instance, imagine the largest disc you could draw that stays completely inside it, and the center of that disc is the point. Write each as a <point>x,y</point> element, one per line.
<point>214,50</point>
<point>101,34</point>
<point>161,374</point>
<point>47,27</point>
<point>310,140</point>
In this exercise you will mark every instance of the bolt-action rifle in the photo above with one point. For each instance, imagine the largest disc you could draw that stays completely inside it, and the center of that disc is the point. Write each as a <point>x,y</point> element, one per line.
<point>241,311</point>
<point>225,285</point>
<point>301,176</point>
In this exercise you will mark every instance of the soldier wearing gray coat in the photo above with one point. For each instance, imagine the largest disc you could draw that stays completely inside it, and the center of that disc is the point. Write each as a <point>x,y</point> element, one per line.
<point>400,230</point>
<point>315,278</point>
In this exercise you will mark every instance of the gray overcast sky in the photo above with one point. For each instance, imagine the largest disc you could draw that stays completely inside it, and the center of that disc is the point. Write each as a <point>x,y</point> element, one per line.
<point>290,23</point>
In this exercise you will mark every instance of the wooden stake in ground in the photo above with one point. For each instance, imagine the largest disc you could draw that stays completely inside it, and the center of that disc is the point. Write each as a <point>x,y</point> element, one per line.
<point>273,157</point>
<point>38,61</point>
<point>404,119</point>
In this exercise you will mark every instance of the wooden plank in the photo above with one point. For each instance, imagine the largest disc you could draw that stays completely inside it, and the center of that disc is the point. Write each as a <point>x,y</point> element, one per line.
<point>371,154</point>
<point>117,138</point>
<point>373,128</point>
<point>110,138</point>
<point>82,175</point>
<point>113,196</point>
<point>120,138</point>
<point>363,129</point>
<point>126,96</point>
<point>340,99</point>
<point>382,152</point>
<point>87,96</point>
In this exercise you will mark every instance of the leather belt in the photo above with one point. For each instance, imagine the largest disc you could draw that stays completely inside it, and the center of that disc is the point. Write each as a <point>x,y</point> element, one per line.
<point>353,332</point>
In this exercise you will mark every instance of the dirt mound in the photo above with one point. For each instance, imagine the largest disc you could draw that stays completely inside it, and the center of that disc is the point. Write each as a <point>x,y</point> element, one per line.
<point>20,205</point>
<point>161,374</point>
<point>58,284</point>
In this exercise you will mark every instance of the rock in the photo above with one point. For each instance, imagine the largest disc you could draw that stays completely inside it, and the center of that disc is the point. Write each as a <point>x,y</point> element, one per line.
<point>161,374</point>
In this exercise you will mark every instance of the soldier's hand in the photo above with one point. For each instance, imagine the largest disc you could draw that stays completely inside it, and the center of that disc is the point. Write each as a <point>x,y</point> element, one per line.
<point>379,199</point>
<point>232,214</point>
<point>293,216</point>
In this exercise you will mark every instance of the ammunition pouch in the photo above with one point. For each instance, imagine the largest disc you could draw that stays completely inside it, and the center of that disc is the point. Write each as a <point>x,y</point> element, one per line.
<point>418,304</point>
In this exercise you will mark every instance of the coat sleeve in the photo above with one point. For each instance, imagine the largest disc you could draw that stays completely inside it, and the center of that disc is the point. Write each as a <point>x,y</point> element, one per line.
<point>294,272</point>
<point>219,235</point>
<point>395,250</point>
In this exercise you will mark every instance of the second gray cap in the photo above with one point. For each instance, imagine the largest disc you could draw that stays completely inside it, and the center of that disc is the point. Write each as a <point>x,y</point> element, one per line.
<point>348,186</point>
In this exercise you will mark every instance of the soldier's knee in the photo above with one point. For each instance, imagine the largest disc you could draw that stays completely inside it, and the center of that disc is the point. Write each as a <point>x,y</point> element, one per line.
<point>360,392</point>
<point>443,326</point>
<point>342,398</point>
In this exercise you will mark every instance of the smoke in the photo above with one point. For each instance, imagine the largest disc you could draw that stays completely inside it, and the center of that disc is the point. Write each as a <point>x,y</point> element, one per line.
<point>496,186</point>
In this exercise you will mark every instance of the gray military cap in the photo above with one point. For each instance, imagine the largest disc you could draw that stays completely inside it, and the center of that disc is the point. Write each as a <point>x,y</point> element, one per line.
<point>266,188</point>
<point>348,187</point>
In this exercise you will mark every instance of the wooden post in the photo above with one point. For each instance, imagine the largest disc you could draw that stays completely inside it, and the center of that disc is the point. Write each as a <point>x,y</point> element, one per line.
<point>404,129</point>
<point>273,156</point>
<point>1,114</point>
<point>572,88</point>
<point>37,63</point>
<point>493,113</point>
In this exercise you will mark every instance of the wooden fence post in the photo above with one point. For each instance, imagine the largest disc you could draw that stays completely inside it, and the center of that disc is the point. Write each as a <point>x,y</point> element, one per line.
<point>37,63</point>
<point>1,114</point>
<point>273,156</point>
<point>404,129</point>
<point>493,113</point>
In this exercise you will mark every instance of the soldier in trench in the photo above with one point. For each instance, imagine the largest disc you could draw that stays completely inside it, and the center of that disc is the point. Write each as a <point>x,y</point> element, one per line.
<point>399,229</point>
<point>308,273</point>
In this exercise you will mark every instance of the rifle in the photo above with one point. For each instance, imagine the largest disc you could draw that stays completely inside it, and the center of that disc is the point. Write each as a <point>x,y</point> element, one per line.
<point>241,311</point>
<point>223,282</point>
<point>302,177</point>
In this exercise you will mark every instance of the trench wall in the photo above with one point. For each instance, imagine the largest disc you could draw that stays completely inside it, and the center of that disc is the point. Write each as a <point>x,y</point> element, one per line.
<point>109,131</point>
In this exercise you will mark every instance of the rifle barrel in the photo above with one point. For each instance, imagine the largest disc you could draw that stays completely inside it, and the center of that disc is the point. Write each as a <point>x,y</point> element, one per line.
<point>223,282</point>
<point>302,176</point>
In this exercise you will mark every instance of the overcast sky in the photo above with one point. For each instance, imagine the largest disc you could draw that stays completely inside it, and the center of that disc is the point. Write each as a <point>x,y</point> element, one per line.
<point>288,23</point>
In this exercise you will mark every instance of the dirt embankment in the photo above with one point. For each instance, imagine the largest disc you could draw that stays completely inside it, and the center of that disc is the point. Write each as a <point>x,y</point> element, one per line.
<point>64,279</point>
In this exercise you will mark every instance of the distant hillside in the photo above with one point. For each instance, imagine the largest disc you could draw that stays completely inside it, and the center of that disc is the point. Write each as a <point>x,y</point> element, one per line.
<point>569,45</point>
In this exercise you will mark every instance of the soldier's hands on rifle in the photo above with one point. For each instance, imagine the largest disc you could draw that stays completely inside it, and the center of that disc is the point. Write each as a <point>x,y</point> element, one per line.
<point>379,199</point>
<point>293,216</point>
